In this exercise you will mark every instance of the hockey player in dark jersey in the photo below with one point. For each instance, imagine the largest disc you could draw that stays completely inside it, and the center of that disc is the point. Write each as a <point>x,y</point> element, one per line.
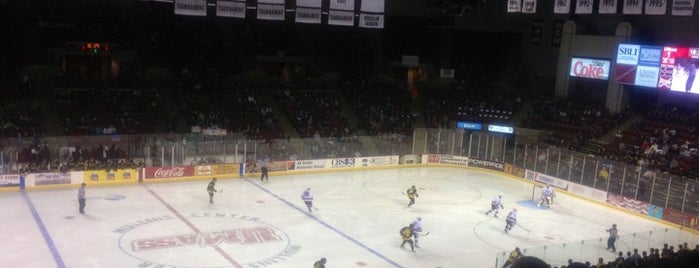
<point>407,234</point>
<point>211,189</point>
<point>412,193</point>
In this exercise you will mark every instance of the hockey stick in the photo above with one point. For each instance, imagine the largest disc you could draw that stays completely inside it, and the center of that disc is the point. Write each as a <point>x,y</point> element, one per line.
<point>520,226</point>
<point>314,207</point>
<point>425,234</point>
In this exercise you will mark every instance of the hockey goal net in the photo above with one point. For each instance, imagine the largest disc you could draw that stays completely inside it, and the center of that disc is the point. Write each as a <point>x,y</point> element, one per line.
<point>538,195</point>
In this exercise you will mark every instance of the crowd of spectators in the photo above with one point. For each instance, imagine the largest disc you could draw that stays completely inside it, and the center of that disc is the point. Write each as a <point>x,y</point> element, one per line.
<point>381,110</point>
<point>587,118</point>
<point>37,158</point>
<point>19,109</point>
<point>666,140</point>
<point>110,111</point>
<point>314,113</point>
<point>667,257</point>
<point>460,104</point>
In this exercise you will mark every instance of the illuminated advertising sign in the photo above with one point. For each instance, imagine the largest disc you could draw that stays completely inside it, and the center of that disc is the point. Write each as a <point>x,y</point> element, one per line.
<point>469,125</point>
<point>501,129</point>
<point>638,65</point>
<point>590,68</point>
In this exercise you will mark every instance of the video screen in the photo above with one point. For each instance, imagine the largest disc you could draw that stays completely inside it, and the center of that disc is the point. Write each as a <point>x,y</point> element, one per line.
<point>667,68</point>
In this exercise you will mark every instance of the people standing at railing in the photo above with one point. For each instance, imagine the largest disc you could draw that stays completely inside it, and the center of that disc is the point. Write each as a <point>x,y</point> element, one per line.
<point>613,235</point>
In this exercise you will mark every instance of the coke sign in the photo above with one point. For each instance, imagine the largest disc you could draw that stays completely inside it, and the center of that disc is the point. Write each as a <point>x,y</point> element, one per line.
<point>590,68</point>
<point>169,172</point>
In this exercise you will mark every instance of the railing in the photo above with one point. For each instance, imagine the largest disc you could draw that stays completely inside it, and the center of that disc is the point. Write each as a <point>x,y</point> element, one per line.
<point>592,249</point>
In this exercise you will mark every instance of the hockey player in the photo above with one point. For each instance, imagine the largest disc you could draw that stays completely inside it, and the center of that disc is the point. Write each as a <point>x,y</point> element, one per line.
<point>407,233</point>
<point>320,263</point>
<point>307,198</point>
<point>496,205</point>
<point>514,256</point>
<point>511,220</point>
<point>412,193</point>
<point>211,188</point>
<point>417,228</point>
<point>547,195</point>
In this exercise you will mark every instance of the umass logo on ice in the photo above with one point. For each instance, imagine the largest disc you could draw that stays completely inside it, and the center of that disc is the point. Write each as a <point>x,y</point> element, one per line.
<point>169,241</point>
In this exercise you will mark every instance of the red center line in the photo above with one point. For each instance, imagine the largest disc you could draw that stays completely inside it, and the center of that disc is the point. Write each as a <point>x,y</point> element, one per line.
<point>194,228</point>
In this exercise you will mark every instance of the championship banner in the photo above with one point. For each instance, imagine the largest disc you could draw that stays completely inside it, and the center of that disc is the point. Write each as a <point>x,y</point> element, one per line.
<point>633,7</point>
<point>341,18</point>
<point>537,32</point>
<point>529,6</point>
<point>341,13</point>
<point>230,9</point>
<point>557,33</point>
<point>514,6</point>
<point>307,15</point>
<point>111,176</point>
<point>347,5</point>
<point>583,7</point>
<point>561,7</point>
<point>190,7</point>
<point>372,14</point>
<point>607,7</point>
<point>656,7</point>
<point>308,11</point>
<point>270,10</point>
<point>682,7</point>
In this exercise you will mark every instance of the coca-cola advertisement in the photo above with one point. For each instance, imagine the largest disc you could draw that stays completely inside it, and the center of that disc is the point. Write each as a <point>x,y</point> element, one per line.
<point>590,68</point>
<point>169,172</point>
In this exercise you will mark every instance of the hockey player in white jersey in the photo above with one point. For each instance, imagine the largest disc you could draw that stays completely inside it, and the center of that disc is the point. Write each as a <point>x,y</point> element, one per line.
<point>511,220</point>
<point>547,195</point>
<point>417,229</point>
<point>496,205</point>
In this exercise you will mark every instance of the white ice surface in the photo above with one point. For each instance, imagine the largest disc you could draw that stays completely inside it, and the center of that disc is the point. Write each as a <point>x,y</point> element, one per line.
<point>255,224</point>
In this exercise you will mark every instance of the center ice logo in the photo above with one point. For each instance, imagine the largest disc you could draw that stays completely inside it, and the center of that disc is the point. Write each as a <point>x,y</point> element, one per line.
<point>235,236</point>
<point>170,241</point>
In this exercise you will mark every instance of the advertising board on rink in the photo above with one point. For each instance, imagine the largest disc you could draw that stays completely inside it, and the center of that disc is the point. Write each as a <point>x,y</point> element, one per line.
<point>9,180</point>
<point>343,162</point>
<point>169,172</point>
<point>51,178</point>
<point>216,170</point>
<point>473,162</point>
<point>110,176</point>
<point>546,179</point>
<point>306,164</point>
<point>379,161</point>
<point>454,160</point>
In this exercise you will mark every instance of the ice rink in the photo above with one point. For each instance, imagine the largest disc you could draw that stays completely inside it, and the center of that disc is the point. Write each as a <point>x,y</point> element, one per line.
<point>254,224</point>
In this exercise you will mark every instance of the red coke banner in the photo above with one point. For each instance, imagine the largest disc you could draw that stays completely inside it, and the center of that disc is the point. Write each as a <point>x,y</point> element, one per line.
<point>169,172</point>
<point>590,68</point>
